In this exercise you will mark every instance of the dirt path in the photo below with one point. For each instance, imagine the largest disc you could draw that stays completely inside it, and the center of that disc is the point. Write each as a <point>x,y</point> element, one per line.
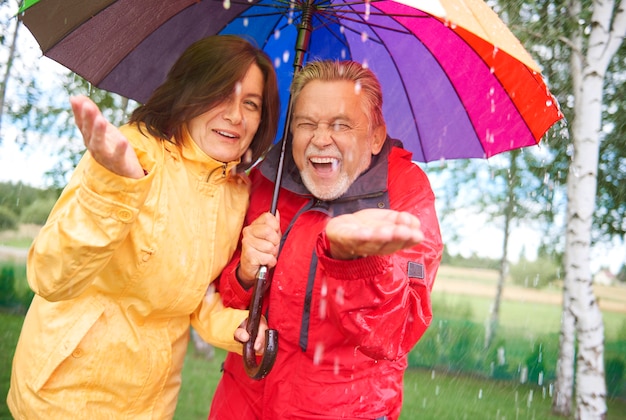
<point>12,254</point>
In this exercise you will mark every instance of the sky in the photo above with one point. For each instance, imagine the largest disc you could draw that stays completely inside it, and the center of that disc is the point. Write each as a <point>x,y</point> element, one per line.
<point>478,235</point>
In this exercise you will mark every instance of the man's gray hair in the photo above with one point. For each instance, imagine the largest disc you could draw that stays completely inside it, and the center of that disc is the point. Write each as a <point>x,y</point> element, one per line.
<point>328,70</point>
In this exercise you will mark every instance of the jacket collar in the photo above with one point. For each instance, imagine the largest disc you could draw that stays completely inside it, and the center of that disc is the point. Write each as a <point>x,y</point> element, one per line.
<point>371,182</point>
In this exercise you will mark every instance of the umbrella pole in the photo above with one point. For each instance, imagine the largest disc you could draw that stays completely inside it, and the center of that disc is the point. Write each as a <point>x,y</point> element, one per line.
<point>254,370</point>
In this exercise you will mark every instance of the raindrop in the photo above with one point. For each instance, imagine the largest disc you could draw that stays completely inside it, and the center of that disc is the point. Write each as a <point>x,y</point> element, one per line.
<point>319,353</point>
<point>480,394</point>
<point>523,375</point>
<point>495,51</point>
<point>336,366</point>
<point>342,29</point>
<point>276,62</point>
<point>247,157</point>
<point>364,36</point>
<point>343,53</point>
<point>549,102</point>
<point>501,356</point>
<point>339,296</point>
<point>530,399</point>
<point>365,64</point>
<point>277,34</point>
<point>286,56</point>
<point>437,390</point>
<point>492,91</point>
<point>245,22</point>
<point>492,70</point>
<point>540,379</point>
<point>432,374</point>
<point>322,309</point>
<point>238,88</point>
<point>489,138</point>
<point>367,10</point>
<point>357,88</point>
<point>226,4</point>
<point>493,106</point>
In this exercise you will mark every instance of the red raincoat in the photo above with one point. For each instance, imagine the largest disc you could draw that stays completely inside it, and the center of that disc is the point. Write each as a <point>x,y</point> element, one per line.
<point>345,327</point>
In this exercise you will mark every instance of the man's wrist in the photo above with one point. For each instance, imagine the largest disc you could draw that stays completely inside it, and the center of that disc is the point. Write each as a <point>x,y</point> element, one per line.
<point>245,284</point>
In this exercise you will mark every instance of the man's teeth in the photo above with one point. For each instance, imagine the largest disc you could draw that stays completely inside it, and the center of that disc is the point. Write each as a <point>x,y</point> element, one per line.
<point>323,160</point>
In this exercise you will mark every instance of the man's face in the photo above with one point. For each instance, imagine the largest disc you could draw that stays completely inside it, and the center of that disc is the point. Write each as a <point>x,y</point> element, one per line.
<point>332,140</point>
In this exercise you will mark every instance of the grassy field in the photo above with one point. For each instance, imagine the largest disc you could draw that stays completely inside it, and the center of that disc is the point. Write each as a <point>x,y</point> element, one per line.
<point>524,315</point>
<point>428,394</point>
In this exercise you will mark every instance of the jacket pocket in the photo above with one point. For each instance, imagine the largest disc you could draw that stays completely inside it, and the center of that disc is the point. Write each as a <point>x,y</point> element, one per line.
<point>82,316</point>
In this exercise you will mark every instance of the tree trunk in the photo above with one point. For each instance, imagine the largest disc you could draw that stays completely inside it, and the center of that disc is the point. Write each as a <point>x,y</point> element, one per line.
<point>7,73</point>
<point>607,29</point>
<point>494,319</point>
<point>564,385</point>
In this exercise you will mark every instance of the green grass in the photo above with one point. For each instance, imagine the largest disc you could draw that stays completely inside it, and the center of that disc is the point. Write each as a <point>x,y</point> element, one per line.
<point>536,319</point>
<point>17,242</point>
<point>10,326</point>
<point>428,394</point>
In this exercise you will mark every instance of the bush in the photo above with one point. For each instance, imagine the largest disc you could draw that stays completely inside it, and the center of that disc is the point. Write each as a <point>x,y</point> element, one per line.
<point>8,219</point>
<point>16,299</point>
<point>7,284</point>
<point>539,273</point>
<point>37,212</point>
<point>614,376</point>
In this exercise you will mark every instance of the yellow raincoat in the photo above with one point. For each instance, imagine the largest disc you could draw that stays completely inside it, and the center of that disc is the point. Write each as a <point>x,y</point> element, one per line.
<point>120,270</point>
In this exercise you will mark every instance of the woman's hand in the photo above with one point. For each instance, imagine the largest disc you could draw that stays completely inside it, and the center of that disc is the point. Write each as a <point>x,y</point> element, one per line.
<point>105,142</point>
<point>242,336</point>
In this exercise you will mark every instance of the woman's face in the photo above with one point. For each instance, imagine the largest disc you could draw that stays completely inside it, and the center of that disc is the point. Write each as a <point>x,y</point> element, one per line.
<point>225,131</point>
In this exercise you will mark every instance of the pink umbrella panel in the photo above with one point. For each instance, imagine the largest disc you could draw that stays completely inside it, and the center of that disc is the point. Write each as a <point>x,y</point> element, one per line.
<point>448,92</point>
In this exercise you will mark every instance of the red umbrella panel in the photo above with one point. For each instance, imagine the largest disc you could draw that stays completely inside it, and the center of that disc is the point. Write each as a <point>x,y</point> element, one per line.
<point>456,82</point>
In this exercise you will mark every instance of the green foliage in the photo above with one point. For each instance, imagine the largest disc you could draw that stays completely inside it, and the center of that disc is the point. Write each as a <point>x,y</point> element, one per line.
<point>538,273</point>
<point>614,376</point>
<point>37,212</point>
<point>8,219</point>
<point>25,204</point>
<point>13,293</point>
<point>474,261</point>
<point>18,196</point>
<point>7,284</point>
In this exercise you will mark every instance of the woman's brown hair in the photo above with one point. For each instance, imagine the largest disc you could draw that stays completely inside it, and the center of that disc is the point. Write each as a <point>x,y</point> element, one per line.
<point>205,75</point>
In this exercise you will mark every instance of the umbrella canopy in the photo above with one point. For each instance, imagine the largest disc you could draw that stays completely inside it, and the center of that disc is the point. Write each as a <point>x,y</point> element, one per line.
<point>456,82</point>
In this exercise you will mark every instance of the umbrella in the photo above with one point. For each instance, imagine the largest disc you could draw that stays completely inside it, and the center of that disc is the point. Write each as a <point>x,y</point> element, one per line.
<point>456,82</point>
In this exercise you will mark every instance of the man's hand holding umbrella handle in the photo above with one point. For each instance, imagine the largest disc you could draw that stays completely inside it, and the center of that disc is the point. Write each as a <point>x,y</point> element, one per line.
<point>372,232</point>
<point>259,247</point>
<point>105,142</point>
<point>259,252</point>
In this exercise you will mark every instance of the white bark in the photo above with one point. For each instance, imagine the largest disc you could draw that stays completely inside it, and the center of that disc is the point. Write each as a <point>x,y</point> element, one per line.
<point>564,387</point>
<point>588,71</point>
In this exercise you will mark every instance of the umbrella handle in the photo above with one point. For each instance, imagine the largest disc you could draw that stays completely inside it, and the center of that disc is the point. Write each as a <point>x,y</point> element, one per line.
<point>254,370</point>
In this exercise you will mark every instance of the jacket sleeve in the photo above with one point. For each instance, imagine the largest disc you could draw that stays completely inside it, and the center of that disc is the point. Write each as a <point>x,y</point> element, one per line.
<point>216,323</point>
<point>233,293</point>
<point>91,218</point>
<point>382,303</point>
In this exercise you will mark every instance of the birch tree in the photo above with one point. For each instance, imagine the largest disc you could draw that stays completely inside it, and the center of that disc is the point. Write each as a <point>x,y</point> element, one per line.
<point>593,43</point>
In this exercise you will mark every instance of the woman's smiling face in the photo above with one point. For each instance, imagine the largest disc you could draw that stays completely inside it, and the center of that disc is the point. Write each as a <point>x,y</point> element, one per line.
<point>226,131</point>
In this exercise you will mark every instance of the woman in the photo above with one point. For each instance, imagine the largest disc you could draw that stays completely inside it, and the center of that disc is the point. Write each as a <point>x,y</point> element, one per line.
<point>149,218</point>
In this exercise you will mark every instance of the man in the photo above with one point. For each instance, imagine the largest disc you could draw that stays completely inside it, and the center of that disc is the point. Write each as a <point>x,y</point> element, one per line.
<point>354,250</point>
